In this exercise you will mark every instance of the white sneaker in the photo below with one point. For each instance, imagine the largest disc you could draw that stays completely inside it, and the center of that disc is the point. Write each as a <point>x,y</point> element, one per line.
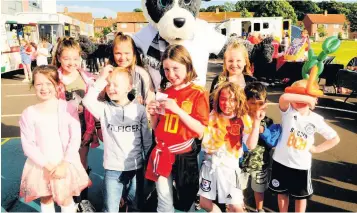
<point>26,80</point>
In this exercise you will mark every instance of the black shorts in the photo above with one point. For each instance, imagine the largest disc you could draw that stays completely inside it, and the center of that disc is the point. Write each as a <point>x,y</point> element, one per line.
<point>295,182</point>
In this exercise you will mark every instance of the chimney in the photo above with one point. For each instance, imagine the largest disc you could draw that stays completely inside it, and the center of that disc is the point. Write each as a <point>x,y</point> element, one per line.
<point>65,10</point>
<point>325,13</point>
<point>217,10</point>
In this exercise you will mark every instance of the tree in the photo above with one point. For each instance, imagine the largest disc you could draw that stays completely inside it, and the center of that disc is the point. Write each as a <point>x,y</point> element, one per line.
<point>202,10</point>
<point>339,36</point>
<point>98,35</point>
<point>352,18</point>
<point>321,30</point>
<point>334,7</point>
<point>105,17</point>
<point>137,10</point>
<point>246,4</point>
<point>213,8</point>
<point>114,27</point>
<point>304,7</point>
<point>106,30</point>
<point>276,8</point>
<point>245,13</point>
<point>229,7</point>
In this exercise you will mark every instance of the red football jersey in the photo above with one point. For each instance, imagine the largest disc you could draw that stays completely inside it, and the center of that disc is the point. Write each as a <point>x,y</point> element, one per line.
<point>193,99</point>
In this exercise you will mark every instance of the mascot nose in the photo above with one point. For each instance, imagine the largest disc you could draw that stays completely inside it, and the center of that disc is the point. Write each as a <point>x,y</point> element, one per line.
<point>179,22</point>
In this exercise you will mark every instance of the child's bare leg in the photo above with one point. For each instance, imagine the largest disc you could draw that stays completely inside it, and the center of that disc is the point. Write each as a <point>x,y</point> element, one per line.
<point>46,200</point>
<point>235,208</point>
<point>300,205</point>
<point>47,204</point>
<point>208,205</point>
<point>68,206</point>
<point>259,200</point>
<point>283,202</point>
<point>29,72</point>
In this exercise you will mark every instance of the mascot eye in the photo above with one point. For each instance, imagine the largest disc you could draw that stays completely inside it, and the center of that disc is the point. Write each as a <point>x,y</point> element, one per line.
<point>164,3</point>
<point>187,2</point>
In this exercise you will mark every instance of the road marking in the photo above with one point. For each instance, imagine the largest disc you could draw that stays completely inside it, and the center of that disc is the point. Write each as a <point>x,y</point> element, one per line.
<point>5,141</point>
<point>342,110</point>
<point>11,115</point>
<point>322,107</point>
<point>21,95</point>
<point>23,84</point>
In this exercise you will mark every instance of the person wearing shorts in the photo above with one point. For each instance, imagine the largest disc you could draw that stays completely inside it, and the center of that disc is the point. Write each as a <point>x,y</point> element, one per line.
<point>295,182</point>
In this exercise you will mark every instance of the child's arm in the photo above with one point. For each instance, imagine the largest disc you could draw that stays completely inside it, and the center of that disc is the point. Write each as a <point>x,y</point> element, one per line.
<point>328,144</point>
<point>90,100</point>
<point>189,121</point>
<point>28,140</point>
<point>332,139</point>
<point>286,98</point>
<point>253,137</point>
<point>151,110</point>
<point>145,134</point>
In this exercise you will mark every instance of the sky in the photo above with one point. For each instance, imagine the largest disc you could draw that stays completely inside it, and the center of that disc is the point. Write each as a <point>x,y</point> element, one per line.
<point>100,9</point>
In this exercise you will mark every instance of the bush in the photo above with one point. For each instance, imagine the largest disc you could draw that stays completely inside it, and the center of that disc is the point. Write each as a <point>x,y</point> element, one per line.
<point>339,36</point>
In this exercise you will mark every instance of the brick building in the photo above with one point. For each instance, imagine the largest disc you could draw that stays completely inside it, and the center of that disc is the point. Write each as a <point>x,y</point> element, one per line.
<point>333,24</point>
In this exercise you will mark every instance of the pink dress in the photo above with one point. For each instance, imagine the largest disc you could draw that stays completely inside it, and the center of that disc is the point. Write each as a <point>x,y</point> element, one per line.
<point>48,147</point>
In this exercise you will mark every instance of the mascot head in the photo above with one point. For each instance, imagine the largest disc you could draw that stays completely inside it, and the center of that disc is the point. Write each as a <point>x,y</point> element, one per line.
<point>174,19</point>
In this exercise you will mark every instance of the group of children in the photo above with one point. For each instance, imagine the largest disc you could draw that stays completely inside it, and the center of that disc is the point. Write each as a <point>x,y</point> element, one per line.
<point>57,132</point>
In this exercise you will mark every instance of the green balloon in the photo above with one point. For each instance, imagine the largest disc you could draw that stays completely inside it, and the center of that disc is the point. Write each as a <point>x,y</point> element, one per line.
<point>331,44</point>
<point>310,53</point>
<point>322,56</point>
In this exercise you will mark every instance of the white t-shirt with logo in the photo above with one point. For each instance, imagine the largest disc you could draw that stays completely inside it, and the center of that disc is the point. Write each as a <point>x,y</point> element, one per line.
<point>293,149</point>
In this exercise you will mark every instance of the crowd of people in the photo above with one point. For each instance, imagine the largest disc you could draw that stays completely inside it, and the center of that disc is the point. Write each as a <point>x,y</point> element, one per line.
<point>178,137</point>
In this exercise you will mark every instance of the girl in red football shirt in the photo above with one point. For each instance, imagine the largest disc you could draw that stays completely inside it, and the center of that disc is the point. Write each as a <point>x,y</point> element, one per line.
<point>177,121</point>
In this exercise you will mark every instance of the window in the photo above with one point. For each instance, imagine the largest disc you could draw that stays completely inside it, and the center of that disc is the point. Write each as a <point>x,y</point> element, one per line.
<point>265,25</point>
<point>256,26</point>
<point>123,26</point>
<point>335,33</point>
<point>325,26</point>
<point>336,26</point>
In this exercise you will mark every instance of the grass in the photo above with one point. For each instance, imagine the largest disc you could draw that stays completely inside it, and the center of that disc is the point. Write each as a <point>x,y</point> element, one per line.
<point>344,54</point>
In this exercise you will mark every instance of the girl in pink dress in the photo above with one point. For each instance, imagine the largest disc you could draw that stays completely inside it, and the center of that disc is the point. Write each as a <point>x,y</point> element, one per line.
<point>50,137</point>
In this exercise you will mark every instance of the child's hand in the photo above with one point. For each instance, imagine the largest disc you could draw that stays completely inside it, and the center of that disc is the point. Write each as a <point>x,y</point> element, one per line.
<point>152,106</point>
<point>106,71</point>
<point>312,102</point>
<point>171,105</point>
<point>60,171</point>
<point>313,149</point>
<point>86,139</point>
<point>260,113</point>
<point>49,168</point>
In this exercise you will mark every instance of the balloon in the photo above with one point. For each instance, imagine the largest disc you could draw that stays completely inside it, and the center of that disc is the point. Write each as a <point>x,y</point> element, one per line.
<point>307,67</point>
<point>331,44</point>
<point>296,90</point>
<point>314,66</point>
<point>322,56</point>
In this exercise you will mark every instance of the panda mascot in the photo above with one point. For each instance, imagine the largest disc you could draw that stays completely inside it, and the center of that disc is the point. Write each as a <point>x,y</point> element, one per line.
<point>175,22</point>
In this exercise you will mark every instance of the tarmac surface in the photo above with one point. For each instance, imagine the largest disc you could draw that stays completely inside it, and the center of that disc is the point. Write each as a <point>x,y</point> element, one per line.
<point>334,173</point>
